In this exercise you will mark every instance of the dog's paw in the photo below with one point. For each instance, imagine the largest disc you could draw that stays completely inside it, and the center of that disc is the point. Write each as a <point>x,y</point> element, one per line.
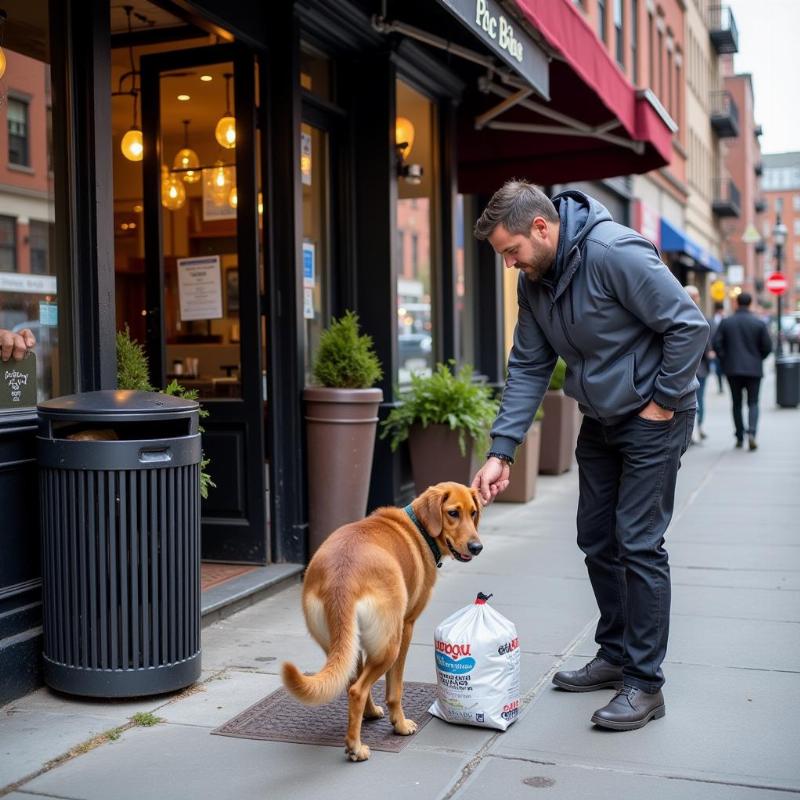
<point>376,712</point>
<point>360,753</point>
<point>405,727</point>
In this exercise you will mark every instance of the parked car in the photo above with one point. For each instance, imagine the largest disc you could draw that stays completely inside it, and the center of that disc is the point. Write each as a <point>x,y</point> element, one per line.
<point>415,350</point>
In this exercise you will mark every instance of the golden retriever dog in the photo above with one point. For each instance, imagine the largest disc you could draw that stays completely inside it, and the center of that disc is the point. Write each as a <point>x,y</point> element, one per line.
<point>363,591</point>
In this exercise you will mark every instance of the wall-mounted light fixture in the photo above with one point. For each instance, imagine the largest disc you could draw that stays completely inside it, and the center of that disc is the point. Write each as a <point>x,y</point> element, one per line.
<point>3,18</point>
<point>404,143</point>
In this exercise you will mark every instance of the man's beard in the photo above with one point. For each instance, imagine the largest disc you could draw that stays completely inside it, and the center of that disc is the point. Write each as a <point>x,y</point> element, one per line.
<point>536,271</point>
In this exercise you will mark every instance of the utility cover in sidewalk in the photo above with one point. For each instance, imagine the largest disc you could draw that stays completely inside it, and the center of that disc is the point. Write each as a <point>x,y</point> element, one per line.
<point>281,718</point>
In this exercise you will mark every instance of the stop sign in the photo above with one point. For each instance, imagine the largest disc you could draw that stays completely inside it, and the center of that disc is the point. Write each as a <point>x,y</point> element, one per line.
<point>776,283</point>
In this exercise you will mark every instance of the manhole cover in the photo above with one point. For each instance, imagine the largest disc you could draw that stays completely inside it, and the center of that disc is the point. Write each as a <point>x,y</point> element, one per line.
<point>281,718</point>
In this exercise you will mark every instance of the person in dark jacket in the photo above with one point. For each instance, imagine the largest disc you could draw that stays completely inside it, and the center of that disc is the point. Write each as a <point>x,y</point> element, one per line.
<point>597,294</point>
<point>742,343</point>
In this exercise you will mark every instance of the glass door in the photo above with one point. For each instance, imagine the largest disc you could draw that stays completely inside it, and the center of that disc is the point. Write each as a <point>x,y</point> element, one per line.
<point>202,272</point>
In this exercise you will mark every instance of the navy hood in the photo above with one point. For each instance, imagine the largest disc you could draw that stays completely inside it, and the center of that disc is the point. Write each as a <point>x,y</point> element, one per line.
<point>578,214</point>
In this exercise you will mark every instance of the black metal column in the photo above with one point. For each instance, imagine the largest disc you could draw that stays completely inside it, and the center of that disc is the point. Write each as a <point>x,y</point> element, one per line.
<point>283,302</point>
<point>84,230</point>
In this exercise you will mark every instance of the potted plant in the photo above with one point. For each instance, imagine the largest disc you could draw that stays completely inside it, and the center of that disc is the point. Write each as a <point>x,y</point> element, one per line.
<point>341,420</point>
<point>446,417</point>
<point>525,468</point>
<point>133,372</point>
<point>559,425</point>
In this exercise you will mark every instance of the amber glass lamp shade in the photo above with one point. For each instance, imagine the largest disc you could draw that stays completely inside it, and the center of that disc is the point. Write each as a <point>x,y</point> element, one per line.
<point>131,145</point>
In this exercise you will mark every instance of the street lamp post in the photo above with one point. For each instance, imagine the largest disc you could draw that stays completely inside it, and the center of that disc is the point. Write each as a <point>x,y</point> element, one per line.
<point>779,238</point>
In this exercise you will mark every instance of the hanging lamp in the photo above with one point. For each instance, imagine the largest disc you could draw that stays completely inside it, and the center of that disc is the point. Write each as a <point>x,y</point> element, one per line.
<point>186,160</point>
<point>132,146</point>
<point>225,132</point>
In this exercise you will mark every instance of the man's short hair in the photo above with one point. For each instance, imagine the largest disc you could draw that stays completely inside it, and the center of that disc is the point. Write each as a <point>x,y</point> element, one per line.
<point>744,299</point>
<point>514,206</point>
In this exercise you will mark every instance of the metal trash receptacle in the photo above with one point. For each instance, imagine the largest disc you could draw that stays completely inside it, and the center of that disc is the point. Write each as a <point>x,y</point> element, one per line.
<point>120,519</point>
<point>787,381</point>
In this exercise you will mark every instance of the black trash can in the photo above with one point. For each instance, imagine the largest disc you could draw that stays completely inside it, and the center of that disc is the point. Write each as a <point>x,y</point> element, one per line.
<point>787,377</point>
<point>119,487</point>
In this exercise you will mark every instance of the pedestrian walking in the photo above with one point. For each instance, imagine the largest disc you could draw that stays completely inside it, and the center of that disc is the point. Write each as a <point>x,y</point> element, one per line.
<point>703,370</point>
<point>742,342</point>
<point>597,294</point>
<point>714,362</point>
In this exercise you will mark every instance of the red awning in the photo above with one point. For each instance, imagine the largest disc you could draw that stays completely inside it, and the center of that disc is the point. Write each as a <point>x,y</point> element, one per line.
<point>596,125</point>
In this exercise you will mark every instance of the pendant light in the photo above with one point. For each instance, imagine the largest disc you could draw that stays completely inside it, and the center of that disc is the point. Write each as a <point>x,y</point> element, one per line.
<point>219,182</point>
<point>186,159</point>
<point>173,192</point>
<point>225,131</point>
<point>132,146</point>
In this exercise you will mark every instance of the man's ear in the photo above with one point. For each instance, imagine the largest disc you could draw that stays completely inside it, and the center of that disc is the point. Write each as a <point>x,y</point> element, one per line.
<point>433,510</point>
<point>476,498</point>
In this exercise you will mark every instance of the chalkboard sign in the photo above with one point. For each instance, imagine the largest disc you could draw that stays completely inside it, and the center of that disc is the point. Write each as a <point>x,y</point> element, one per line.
<point>18,382</point>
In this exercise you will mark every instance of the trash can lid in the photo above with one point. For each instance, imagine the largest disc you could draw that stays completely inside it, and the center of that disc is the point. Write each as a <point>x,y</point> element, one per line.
<point>117,402</point>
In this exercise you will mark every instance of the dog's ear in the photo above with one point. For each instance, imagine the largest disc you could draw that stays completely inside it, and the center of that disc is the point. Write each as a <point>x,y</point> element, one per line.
<point>433,510</point>
<point>476,498</point>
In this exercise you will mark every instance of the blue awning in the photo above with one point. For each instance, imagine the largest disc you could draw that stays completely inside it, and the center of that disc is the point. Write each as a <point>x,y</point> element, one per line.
<point>674,240</point>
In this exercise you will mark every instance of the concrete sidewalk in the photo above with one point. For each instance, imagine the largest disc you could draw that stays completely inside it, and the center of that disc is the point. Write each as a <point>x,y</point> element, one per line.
<point>733,668</point>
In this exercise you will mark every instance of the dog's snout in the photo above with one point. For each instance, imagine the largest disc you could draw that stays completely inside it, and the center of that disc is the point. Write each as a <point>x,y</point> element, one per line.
<point>475,548</point>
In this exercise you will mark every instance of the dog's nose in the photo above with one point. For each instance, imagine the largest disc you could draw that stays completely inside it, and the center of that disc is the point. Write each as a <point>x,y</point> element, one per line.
<point>475,547</point>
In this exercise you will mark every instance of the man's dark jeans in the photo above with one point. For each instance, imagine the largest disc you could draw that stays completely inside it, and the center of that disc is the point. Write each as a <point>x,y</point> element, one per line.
<point>627,478</point>
<point>740,384</point>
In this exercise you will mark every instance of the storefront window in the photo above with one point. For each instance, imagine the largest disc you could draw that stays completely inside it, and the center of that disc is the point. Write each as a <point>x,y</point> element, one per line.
<point>28,282</point>
<point>465,283</point>
<point>416,203</point>
<point>314,177</point>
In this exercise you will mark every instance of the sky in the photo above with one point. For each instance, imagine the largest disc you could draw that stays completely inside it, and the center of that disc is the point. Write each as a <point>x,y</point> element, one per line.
<point>769,41</point>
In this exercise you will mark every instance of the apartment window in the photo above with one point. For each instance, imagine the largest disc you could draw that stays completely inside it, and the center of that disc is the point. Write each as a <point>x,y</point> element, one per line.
<point>635,41</point>
<point>8,244</point>
<point>601,19</point>
<point>18,151</point>
<point>797,227</point>
<point>659,66</point>
<point>796,202</point>
<point>619,17</point>
<point>670,106</point>
<point>39,238</point>
<point>797,253</point>
<point>678,87</point>
<point>651,27</point>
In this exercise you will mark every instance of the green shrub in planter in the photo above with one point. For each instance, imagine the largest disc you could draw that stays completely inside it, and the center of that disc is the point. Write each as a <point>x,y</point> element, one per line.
<point>346,359</point>
<point>446,398</point>
<point>133,372</point>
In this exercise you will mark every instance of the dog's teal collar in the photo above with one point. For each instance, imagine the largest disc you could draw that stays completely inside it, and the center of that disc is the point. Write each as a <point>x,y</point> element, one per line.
<point>437,553</point>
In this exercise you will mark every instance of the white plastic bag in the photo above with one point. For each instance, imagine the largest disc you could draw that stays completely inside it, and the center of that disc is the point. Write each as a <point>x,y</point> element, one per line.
<point>477,668</point>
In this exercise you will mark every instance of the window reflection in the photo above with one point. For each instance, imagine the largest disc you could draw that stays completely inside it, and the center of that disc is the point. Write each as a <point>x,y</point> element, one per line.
<point>415,231</point>
<point>28,282</point>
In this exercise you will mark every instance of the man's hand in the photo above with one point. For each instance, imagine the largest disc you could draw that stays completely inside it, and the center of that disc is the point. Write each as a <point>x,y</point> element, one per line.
<point>655,413</point>
<point>491,479</point>
<point>16,344</point>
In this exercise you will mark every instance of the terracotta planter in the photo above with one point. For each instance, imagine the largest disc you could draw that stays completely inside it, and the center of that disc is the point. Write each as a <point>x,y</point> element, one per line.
<point>435,457</point>
<point>559,433</point>
<point>525,468</point>
<point>340,430</point>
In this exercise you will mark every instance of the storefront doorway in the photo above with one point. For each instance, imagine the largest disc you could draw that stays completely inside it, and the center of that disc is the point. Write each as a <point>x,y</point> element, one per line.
<point>189,260</point>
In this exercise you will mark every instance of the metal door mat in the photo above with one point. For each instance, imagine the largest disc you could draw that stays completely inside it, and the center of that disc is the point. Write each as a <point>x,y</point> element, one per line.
<point>281,718</point>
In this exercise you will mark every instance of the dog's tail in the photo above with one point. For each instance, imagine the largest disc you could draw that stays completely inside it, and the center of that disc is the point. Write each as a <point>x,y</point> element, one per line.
<point>332,679</point>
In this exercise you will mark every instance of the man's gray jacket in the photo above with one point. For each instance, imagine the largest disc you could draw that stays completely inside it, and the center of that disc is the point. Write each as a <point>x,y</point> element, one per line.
<point>611,309</point>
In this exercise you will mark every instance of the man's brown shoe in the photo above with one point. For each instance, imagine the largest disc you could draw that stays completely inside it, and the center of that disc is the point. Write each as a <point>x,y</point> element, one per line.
<point>631,708</point>
<point>597,674</point>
